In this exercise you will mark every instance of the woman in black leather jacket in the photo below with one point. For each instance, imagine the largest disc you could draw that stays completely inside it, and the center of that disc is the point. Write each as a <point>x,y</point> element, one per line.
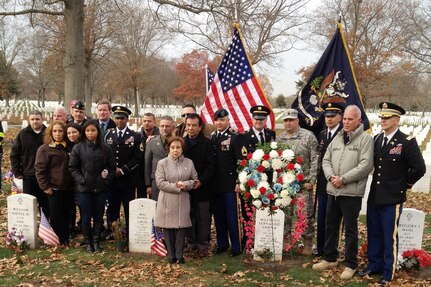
<point>92,166</point>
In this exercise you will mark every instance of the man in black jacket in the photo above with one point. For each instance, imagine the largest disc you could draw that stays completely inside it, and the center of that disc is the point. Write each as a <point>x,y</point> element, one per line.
<point>23,156</point>
<point>333,118</point>
<point>398,165</point>
<point>201,151</point>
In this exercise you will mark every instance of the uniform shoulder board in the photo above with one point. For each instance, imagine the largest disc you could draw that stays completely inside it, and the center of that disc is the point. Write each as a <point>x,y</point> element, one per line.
<point>213,133</point>
<point>377,136</point>
<point>410,138</point>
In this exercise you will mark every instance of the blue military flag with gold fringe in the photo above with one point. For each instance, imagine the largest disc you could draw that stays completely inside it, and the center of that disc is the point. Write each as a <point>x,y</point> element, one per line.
<point>333,80</point>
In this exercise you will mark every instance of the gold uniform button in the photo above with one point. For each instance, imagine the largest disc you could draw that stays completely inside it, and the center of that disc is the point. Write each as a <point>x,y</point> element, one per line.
<point>380,158</point>
<point>393,160</point>
<point>378,174</point>
<point>402,191</point>
<point>378,182</point>
<point>380,166</point>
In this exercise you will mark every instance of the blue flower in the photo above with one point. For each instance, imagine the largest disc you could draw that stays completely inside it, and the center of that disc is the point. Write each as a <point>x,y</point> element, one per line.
<point>265,200</point>
<point>277,187</point>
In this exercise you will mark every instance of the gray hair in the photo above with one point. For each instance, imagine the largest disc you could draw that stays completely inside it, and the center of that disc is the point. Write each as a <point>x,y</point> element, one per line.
<point>60,110</point>
<point>167,118</point>
<point>355,108</point>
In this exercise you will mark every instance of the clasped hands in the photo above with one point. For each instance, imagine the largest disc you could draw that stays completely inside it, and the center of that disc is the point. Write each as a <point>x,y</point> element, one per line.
<point>336,181</point>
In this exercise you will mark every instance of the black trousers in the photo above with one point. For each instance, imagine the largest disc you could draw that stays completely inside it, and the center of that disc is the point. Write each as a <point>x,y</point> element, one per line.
<point>174,239</point>
<point>30,186</point>
<point>347,208</point>
<point>59,203</point>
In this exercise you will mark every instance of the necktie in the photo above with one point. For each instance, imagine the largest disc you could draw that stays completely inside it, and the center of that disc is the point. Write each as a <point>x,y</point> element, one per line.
<point>262,140</point>
<point>102,127</point>
<point>218,135</point>
<point>120,135</point>
<point>329,135</point>
<point>385,141</point>
<point>346,139</point>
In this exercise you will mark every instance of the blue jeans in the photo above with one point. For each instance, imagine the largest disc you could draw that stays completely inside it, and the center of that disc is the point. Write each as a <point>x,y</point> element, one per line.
<point>92,206</point>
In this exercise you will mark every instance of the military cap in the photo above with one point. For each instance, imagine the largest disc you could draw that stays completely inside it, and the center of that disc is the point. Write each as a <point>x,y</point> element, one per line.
<point>121,111</point>
<point>79,105</point>
<point>332,109</point>
<point>72,103</point>
<point>388,110</point>
<point>290,114</point>
<point>220,114</point>
<point>260,112</point>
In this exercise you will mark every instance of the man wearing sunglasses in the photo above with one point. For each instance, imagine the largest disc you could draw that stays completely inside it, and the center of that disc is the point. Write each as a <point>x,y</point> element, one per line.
<point>180,129</point>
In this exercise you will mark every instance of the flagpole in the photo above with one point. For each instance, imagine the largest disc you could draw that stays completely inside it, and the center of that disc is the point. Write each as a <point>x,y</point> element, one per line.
<point>206,80</point>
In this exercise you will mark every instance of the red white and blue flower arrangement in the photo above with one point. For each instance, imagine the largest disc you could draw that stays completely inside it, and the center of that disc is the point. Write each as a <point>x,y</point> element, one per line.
<point>271,178</point>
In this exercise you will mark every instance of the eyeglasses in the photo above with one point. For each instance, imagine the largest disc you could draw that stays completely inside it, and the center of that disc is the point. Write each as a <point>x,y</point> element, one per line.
<point>185,115</point>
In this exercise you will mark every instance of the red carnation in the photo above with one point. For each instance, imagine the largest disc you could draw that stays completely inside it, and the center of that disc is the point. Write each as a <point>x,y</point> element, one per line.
<point>260,168</point>
<point>300,177</point>
<point>249,155</point>
<point>265,205</point>
<point>280,179</point>
<point>270,196</point>
<point>262,190</point>
<point>250,183</point>
<point>274,208</point>
<point>299,160</point>
<point>243,163</point>
<point>290,166</point>
<point>247,194</point>
<point>280,152</point>
<point>293,201</point>
<point>266,156</point>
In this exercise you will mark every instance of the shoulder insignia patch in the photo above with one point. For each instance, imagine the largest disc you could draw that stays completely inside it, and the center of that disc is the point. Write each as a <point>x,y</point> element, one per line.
<point>141,146</point>
<point>244,151</point>
<point>410,138</point>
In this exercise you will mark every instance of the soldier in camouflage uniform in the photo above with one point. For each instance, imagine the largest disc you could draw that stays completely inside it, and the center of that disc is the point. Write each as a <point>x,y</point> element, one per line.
<point>305,145</point>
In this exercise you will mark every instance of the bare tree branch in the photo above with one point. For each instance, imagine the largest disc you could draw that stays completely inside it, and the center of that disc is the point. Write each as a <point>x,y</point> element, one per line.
<point>30,11</point>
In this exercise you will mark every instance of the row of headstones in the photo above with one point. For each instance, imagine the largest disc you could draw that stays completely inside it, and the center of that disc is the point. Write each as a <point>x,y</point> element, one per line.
<point>22,214</point>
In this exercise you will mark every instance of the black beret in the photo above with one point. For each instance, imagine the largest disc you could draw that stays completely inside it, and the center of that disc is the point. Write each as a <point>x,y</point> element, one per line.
<point>220,114</point>
<point>79,105</point>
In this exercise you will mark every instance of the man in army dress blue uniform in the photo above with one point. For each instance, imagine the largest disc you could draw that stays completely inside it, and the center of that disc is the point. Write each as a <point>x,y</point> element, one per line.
<point>128,151</point>
<point>398,164</point>
<point>224,200</point>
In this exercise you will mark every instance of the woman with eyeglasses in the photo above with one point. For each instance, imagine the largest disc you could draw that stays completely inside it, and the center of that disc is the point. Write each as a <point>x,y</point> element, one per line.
<point>175,177</point>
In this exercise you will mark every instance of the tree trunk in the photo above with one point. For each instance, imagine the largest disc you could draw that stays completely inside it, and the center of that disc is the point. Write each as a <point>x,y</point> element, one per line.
<point>74,51</point>
<point>136,100</point>
<point>87,89</point>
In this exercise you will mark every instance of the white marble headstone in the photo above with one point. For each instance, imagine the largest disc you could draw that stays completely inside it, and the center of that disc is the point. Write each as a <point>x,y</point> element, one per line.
<point>141,215</point>
<point>410,229</point>
<point>423,184</point>
<point>269,234</point>
<point>22,214</point>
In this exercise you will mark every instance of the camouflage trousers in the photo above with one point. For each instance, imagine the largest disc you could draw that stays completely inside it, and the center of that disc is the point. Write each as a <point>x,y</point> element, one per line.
<point>309,208</point>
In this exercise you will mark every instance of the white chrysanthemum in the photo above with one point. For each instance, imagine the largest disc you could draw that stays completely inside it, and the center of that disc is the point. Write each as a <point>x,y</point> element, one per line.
<point>288,178</point>
<point>264,177</point>
<point>273,154</point>
<point>263,183</point>
<point>297,166</point>
<point>286,201</point>
<point>288,154</point>
<point>242,187</point>
<point>274,145</point>
<point>266,164</point>
<point>277,164</point>
<point>257,203</point>
<point>284,193</point>
<point>278,202</point>
<point>258,154</point>
<point>255,193</point>
<point>242,177</point>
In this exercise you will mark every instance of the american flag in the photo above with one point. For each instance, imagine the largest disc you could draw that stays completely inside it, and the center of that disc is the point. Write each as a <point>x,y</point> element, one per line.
<point>46,233</point>
<point>235,88</point>
<point>210,77</point>
<point>14,188</point>
<point>157,242</point>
